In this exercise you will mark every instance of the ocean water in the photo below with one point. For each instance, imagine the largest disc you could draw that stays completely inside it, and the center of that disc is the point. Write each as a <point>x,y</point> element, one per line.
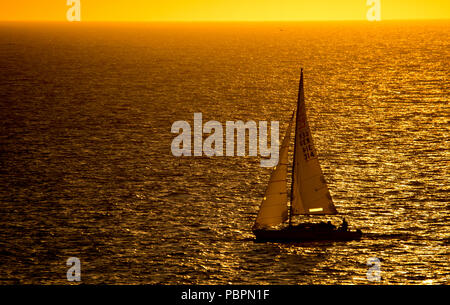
<point>87,171</point>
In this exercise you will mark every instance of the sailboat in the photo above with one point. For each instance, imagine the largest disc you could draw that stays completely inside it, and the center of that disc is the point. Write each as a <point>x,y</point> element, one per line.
<point>309,191</point>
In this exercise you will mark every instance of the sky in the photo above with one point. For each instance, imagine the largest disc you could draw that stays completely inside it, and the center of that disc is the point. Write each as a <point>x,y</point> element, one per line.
<point>222,10</point>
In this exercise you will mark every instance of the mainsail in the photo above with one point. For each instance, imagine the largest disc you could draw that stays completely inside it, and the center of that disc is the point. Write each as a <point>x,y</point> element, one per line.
<point>309,191</point>
<point>273,209</point>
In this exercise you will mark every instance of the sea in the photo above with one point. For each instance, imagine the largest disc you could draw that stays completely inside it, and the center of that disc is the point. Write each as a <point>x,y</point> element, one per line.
<point>87,170</point>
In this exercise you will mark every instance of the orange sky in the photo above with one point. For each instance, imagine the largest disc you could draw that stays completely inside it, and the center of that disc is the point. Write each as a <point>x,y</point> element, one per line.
<point>222,10</point>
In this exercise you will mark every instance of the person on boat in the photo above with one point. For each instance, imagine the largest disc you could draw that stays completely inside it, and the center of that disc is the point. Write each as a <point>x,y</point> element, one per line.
<point>330,225</point>
<point>344,225</point>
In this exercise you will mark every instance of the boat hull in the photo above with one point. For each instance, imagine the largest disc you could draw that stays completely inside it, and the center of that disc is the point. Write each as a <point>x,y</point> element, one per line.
<point>305,235</point>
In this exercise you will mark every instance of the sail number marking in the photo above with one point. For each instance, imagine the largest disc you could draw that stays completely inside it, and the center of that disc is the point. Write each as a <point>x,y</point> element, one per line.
<point>306,144</point>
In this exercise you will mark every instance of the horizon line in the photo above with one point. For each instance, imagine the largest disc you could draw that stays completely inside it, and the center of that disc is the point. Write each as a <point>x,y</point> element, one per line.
<point>219,21</point>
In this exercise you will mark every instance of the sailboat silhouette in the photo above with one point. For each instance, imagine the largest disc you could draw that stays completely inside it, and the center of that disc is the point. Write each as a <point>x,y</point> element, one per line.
<point>309,190</point>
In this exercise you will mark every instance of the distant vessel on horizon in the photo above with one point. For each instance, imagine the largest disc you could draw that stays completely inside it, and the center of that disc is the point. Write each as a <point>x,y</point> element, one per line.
<point>309,190</point>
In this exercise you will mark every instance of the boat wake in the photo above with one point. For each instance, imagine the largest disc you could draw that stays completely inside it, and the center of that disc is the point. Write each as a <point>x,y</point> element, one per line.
<point>398,236</point>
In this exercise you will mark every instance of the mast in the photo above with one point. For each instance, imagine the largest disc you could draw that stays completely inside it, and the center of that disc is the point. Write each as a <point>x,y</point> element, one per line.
<point>300,91</point>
